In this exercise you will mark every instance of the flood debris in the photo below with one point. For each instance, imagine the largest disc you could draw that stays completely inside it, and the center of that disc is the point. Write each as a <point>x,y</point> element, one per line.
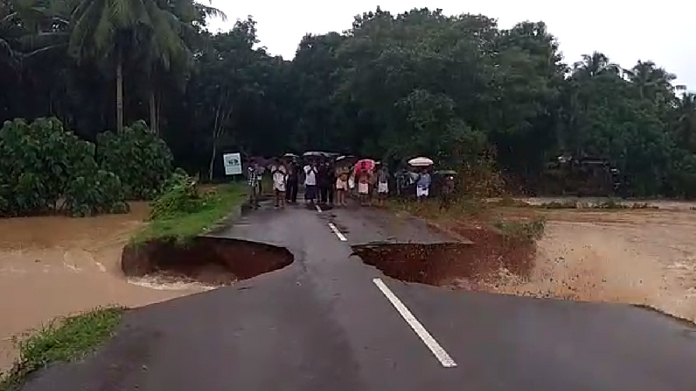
<point>209,260</point>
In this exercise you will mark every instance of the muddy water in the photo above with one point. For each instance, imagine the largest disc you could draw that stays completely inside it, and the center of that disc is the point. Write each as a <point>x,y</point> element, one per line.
<point>53,266</point>
<point>638,257</point>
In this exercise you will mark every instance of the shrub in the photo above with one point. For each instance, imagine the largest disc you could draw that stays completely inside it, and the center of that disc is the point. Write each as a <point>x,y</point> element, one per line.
<point>45,168</point>
<point>180,196</point>
<point>142,160</point>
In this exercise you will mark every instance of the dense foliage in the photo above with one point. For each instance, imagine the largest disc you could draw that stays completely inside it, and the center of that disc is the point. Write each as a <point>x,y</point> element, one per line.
<point>452,87</point>
<point>142,160</point>
<point>46,168</point>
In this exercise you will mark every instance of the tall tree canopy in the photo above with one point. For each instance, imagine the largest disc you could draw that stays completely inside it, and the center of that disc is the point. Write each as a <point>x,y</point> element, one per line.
<point>392,86</point>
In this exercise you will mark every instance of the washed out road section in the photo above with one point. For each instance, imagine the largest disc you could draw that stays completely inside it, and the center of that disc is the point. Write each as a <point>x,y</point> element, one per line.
<point>321,323</point>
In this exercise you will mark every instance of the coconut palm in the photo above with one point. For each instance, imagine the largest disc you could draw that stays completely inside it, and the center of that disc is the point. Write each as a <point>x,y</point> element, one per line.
<point>115,29</point>
<point>650,79</point>
<point>594,65</point>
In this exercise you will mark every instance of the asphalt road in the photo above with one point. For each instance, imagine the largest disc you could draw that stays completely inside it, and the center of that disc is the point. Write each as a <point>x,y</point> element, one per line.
<point>328,322</point>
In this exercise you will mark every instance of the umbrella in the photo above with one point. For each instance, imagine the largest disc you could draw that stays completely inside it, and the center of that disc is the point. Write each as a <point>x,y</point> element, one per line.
<point>420,162</point>
<point>364,164</point>
<point>315,154</point>
<point>290,155</point>
<point>445,172</point>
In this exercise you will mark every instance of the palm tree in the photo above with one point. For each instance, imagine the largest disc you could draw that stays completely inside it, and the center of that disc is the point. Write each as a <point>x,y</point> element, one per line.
<point>113,29</point>
<point>185,17</point>
<point>686,121</point>
<point>650,79</point>
<point>594,65</point>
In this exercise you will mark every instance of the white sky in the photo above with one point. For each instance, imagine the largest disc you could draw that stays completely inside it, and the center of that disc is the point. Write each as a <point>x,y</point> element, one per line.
<point>662,31</point>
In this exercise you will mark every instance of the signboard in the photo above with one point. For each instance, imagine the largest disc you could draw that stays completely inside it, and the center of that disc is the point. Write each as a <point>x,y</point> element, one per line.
<point>233,163</point>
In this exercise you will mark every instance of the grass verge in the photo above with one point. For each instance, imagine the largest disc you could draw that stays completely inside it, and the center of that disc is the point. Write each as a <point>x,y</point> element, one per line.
<point>63,340</point>
<point>215,206</point>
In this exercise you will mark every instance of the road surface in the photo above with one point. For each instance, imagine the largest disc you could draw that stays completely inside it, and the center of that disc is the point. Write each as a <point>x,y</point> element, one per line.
<point>329,322</point>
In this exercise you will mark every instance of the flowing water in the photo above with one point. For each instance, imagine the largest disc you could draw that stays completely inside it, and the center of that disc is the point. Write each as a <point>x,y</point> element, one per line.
<point>638,257</point>
<point>54,266</point>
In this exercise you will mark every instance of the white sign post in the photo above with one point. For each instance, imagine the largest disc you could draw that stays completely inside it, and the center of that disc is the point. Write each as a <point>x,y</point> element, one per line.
<point>233,163</point>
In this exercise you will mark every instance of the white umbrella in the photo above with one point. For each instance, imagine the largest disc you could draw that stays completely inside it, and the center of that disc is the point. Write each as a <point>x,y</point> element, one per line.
<point>420,162</point>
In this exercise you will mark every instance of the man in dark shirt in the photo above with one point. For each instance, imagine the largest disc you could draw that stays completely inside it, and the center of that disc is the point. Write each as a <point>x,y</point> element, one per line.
<point>293,182</point>
<point>323,183</point>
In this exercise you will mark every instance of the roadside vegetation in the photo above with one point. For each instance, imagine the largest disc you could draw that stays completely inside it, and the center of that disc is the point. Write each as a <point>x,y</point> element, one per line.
<point>63,340</point>
<point>47,169</point>
<point>182,212</point>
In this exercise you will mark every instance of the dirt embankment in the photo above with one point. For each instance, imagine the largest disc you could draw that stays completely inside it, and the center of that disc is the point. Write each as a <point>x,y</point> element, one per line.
<point>466,265</point>
<point>216,261</point>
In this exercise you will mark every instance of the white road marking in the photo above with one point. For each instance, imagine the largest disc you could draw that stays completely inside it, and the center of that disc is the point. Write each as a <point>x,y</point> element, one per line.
<point>338,233</point>
<point>318,208</point>
<point>424,335</point>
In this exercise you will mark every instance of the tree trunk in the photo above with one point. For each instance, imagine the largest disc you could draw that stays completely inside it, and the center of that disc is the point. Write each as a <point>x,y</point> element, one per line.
<point>119,92</point>
<point>158,110</point>
<point>153,113</point>
<point>211,166</point>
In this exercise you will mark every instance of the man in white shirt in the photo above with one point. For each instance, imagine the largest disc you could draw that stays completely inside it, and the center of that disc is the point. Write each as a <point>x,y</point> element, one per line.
<point>279,175</point>
<point>310,172</point>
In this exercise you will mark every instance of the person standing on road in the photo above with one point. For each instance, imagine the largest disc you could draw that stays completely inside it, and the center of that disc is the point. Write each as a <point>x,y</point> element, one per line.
<point>253,184</point>
<point>331,174</point>
<point>323,182</point>
<point>292,183</point>
<point>341,186</point>
<point>364,177</point>
<point>423,185</point>
<point>382,185</point>
<point>279,174</point>
<point>310,172</point>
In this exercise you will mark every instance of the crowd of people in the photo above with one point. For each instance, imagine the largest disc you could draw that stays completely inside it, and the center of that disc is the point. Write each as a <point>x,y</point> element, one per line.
<point>331,182</point>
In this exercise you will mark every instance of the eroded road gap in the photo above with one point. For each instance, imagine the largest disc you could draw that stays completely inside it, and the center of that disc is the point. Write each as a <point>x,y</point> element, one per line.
<point>438,351</point>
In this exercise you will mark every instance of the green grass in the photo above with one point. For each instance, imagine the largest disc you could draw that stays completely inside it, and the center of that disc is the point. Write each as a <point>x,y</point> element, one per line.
<point>184,226</point>
<point>62,340</point>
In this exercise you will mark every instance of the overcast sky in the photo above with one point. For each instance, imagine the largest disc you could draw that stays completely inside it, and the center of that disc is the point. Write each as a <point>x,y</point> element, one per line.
<point>662,31</point>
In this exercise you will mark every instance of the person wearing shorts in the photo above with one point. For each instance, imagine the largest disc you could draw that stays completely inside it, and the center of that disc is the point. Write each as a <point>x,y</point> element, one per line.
<point>364,188</point>
<point>341,187</point>
<point>279,174</point>
<point>310,171</point>
<point>423,185</point>
<point>382,185</point>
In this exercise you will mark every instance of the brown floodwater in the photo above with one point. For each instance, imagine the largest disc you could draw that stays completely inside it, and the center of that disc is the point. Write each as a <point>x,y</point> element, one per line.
<point>53,266</point>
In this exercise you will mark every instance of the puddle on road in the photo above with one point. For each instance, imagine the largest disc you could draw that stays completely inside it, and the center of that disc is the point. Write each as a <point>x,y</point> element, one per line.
<point>208,260</point>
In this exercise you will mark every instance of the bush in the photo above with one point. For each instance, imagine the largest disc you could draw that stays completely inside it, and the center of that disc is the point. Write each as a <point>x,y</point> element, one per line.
<point>142,160</point>
<point>45,168</point>
<point>180,196</point>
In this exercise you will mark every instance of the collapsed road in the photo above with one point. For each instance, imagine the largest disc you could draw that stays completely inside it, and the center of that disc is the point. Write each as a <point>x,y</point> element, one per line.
<point>327,321</point>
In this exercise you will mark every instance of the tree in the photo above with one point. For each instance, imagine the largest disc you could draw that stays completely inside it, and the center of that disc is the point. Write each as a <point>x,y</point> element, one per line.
<point>113,29</point>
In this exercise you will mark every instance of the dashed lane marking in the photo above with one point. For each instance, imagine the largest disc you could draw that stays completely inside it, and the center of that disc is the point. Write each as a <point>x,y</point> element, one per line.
<point>424,335</point>
<point>338,233</point>
<point>318,208</point>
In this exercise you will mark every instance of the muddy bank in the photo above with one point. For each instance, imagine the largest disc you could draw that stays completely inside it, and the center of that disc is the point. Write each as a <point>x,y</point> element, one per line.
<point>217,261</point>
<point>466,265</point>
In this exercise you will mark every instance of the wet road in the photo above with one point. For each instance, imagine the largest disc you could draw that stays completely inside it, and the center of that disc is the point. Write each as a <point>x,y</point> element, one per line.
<point>328,322</point>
